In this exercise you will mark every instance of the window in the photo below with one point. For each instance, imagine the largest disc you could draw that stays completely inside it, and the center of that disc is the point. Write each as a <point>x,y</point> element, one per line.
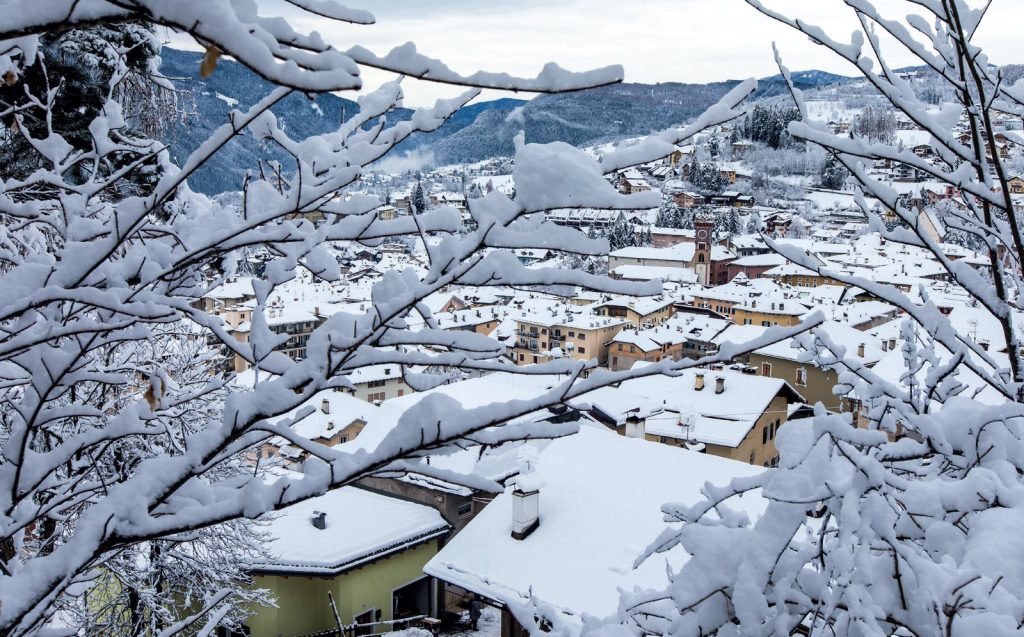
<point>343,439</point>
<point>377,396</point>
<point>615,361</point>
<point>766,369</point>
<point>571,334</point>
<point>466,508</point>
<point>801,377</point>
<point>582,350</point>
<point>764,434</point>
<point>766,323</point>
<point>401,392</point>
<point>746,321</point>
<point>522,357</point>
<point>751,457</point>
<point>376,383</point>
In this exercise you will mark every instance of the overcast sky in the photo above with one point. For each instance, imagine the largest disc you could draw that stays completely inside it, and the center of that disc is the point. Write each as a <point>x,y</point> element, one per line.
<point>655,40</point>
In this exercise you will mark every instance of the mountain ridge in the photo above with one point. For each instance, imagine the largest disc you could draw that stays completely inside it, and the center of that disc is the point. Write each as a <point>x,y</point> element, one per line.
<point>478,131</point>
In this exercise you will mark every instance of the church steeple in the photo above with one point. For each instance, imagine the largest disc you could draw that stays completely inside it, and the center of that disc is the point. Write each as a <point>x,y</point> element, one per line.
<point>704,228</point>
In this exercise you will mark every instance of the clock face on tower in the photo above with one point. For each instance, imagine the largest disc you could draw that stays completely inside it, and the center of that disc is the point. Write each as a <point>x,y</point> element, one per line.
<point>701,234</point>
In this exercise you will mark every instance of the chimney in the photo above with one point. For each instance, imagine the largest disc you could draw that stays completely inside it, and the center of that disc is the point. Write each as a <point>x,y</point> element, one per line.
<point>330,425</point>
<point>319,520</point>
<point>719,384</point>
<point>860,350</point>
<point>525,512</point>
<point>526,495</point>
<point>636,427</point>
<point>698,381</point>
<point>325,406</point>
<point>892,343</point>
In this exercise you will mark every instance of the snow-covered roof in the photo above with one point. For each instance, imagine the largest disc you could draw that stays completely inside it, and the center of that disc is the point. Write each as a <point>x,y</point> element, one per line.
<point>682,252</point>
<point>595,519</point>
<point>360,527</point>
<point>721,419</point>
<point>760,260</point>
<point>840,334</point>
<point>632,272</point>
<point>236,289</point>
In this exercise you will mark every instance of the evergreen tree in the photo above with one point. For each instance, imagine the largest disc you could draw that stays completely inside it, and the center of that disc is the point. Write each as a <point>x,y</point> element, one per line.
<point>694,170</point>
<point>710,179</point>
<point>685,219</point>
<point>833,175</point>
<point>621,234</point>
<point>731,223</point>
<point>419,201</point>
<point>753,224</point>
<point>645,236</point>
<point>668,214</point>
<point>713,147</point>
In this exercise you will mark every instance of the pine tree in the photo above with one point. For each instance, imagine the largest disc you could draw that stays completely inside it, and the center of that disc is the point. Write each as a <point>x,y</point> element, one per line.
<point>754,224</point>
<point>419,201</point>
<point>713,147</point>
<point>731,223</point>
<point>621,234</point>
<point>685,219</point>
<point>668,214</point>
<point>833,175</point>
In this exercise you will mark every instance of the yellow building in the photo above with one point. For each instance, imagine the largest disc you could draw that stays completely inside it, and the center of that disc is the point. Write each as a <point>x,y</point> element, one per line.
<point>719,412</point>
<point>576,336</point>
<point>642,312</point>
<point>365,549</point>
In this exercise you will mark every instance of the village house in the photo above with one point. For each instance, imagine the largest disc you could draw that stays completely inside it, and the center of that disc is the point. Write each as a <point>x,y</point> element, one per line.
<point>228,294</point>
<point>782,361</point>
<point>296,320</point>
<point>375,383</point>
<point>685,335</point>
<point>754,266</point>
<point>688,199</point>
<point>642,312</point>
<point>751,302</point>
<point>668,237</point>
<point>582,487</point>
<point>795,275</point>
<point>328,545</point>
<point>717,411</point>
<point>564,335</point>
<point>336,418</point>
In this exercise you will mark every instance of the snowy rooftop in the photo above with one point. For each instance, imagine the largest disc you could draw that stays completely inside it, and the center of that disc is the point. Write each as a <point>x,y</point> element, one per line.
<point>721,419</point>
<point>594,522</point>
<point>296,545</point>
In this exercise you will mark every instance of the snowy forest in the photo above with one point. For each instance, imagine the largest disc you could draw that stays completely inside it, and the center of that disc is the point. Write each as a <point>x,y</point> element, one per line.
<point>282,355</point>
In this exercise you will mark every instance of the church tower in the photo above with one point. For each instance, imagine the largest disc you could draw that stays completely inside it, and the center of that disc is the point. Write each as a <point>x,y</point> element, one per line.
<point>704,228</point>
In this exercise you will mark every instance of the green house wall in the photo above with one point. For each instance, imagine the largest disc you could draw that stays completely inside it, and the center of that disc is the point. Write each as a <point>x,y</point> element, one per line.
<point>302,605</point>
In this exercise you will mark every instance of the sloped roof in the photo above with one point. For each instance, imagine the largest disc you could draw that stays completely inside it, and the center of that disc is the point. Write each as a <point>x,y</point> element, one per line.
<point>594,522</point>
<point>349,539</point>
